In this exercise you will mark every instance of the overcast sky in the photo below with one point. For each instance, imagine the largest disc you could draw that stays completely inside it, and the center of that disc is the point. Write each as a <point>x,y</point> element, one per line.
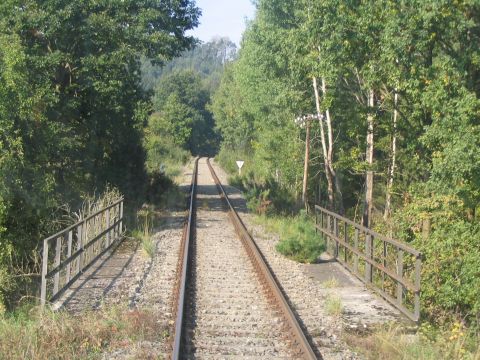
<point>223,18</point>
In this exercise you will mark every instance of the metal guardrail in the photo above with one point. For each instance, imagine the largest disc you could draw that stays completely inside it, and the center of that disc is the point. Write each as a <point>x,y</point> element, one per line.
<point>390,267</point>
<point>76,247</point>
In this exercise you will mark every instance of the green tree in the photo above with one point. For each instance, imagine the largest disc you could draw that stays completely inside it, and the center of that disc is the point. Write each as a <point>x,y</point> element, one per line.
<point>72,109</point>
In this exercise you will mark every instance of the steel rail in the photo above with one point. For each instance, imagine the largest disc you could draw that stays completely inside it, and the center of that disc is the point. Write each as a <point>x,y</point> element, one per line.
<point>304,348</point>
<point>183,267</point>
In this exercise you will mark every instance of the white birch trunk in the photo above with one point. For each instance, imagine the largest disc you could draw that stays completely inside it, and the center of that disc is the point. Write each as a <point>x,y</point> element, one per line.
<point>328,167</point>
<point>367,212</point>
<point>305,168</point>
<point>391,172</point>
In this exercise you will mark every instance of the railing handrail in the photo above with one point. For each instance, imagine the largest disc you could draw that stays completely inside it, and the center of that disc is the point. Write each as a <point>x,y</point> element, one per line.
<point>73,226</point>
<point>86,253</point>
<point>394,242</point>
<point>373,261</point>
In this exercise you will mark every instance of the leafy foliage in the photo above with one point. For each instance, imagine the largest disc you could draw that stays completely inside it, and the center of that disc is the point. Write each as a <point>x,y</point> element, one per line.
<point>72,109</point>
<point>419,61</point>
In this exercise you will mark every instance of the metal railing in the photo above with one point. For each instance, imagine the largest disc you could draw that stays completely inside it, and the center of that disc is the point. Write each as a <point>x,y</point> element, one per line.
<point>69,252</point>
<point>390,267</point>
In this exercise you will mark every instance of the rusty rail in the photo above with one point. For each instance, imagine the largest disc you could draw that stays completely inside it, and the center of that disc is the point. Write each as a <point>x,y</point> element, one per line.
<point>182,269</point>
<point>77,247</point>
<point>304,348</point>
<point>390,267</point>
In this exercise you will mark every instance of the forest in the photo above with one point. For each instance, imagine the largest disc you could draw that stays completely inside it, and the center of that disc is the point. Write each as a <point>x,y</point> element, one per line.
<point>384,95</point>
<point>371,109</point>
<point>73,112</point>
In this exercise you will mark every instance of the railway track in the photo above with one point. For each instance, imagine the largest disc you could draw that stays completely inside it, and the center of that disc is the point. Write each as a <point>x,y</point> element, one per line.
<point>228,303</point>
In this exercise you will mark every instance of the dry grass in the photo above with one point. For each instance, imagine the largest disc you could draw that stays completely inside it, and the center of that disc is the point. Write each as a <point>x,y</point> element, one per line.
<point>331,283</point>
<point>37,334</point>
<point>393,344</point>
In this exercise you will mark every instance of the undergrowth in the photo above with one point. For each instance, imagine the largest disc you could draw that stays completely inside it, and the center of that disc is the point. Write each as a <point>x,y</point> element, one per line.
<point>429,343</point>
<point>30,333</point>
<point>298,240</point>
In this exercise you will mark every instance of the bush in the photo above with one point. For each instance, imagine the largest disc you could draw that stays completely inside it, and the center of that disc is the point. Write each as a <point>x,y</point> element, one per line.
<point>298,240</point>
<point>451,265</point>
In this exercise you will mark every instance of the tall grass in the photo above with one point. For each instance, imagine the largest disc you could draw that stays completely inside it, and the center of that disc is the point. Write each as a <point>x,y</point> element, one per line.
<point>144,229</point>
<point>31,333</point>
<point>428,343</point>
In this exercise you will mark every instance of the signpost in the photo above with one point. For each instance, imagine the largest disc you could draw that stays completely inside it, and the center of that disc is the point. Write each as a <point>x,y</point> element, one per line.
<point>240,164</point>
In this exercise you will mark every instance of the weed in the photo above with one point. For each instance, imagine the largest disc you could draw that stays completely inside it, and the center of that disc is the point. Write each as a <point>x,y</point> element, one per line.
<point>393,343</point>
<point>148,246</point>
<point>331,283</point>
<point>333,305</point>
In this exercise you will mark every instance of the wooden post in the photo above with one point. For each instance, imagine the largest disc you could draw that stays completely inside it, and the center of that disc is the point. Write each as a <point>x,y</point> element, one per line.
<point>43,289</point>
<point>58,250</point>
<point>329,231</point>
<point>355,246</point>
<point>115,228</point>
<point>384,263</point>
<point>418,271</point>
<point>108,227</point>
<point>400,273</point>
<point>335,226</point>
<point>345,234</point>
<point>69,253</point>
<point>80,247</point>
<point>121,218</point>
<point>368,254</point>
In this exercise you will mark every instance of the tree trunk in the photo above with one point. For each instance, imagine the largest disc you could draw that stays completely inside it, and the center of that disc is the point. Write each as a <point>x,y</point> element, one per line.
<point>391,172</point>
<point>367,212</point>
<point>333,173</point>
<point>305,169</point>
<point>328,173</point>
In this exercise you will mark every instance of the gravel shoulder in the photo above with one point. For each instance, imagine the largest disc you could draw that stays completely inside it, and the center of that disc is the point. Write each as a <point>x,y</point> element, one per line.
<point>309,289</point>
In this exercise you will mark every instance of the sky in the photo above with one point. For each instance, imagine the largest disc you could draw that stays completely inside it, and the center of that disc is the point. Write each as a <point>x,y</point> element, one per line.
<point>224,18</point>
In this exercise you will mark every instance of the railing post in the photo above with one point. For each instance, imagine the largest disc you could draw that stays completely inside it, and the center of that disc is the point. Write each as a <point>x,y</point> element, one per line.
<point>368,254</point>
<point>108,227</point>
<point>418,270</point>
<point>69,253</point>
<point>121,218</point>
<point>80,247</point>
<point>329,232</point>
<point>400,274</point>
<point>384,263</point>
<point>345,236</point>
<point>58,250</point>
<point>116,217</point>
<point>335,231</point>
<point>355,246</point>
<point>43,289</point>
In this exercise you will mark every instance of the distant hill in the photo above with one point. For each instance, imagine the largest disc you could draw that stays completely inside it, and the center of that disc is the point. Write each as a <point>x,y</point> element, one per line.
<point>207,59</point>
